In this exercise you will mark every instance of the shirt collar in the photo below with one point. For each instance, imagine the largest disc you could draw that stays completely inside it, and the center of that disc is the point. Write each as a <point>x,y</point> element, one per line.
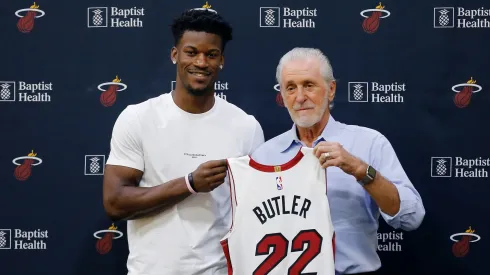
<point>291,138</point>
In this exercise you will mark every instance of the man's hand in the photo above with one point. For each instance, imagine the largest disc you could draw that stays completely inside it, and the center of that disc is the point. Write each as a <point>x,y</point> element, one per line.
<point>209,175</point>
<point>333,154</point>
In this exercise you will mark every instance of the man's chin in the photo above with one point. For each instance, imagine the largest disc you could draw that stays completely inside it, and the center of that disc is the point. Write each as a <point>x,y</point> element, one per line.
<point>305,122</point>
<point>198,91</point>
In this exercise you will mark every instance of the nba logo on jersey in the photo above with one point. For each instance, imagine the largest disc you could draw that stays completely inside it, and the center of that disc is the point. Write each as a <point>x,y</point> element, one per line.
<point>279,183</point>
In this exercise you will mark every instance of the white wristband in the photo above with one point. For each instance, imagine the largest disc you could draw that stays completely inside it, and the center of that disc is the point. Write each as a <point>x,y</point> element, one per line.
<point>189,185</point>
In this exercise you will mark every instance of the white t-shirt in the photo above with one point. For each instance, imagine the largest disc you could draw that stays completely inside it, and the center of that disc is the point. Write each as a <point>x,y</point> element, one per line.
<point>165,142</point>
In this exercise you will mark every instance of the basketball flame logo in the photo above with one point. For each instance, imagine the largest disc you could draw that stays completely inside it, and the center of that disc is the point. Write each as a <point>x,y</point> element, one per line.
<point>279,100</point>
<point>23,171</point>
<point>206,6</point>
<point>462,98</point>
<point>104,244</point>
<point>26,22</point>
<point>371,23</point>
<point>108,97</point>
<point>462,247</point>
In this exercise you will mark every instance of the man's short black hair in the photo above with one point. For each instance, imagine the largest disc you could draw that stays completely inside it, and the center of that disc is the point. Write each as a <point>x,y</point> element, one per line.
<point>201,21</point>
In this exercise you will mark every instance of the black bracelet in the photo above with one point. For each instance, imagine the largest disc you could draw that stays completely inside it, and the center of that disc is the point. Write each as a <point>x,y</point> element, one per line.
<point>191,182</point>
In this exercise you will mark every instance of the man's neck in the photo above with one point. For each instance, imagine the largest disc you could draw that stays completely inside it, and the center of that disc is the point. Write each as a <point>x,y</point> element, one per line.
<point>191,103</point>
<point>309,135</point>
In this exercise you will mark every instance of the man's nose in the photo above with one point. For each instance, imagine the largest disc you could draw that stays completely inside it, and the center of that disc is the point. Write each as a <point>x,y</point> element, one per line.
<point>300,95</point>
<point>201,61</point>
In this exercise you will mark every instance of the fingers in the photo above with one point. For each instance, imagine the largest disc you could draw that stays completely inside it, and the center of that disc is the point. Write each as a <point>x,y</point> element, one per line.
<point>215,170</point>
<point>216,178</point>
<point>331,162</point>
<point>216,163</point>
<point>323,149</point>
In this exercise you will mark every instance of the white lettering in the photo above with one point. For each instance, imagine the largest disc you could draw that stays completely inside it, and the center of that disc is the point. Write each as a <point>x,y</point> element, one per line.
<point>20,244</point>
<point>390,247</point>
<point>129,23</point>
<point>395,87</point>
<point>221,95</point>
<point>220,86</point>
<point>472,162</point>
<point>391,98</point>
<point>41,86</point>
<point>37,234</point>
<point>39,97</point>
<point>475,173</point>
<point>299,13</point>
<point>478,23</point>
<point>303,23</point>
<point>127,12</point>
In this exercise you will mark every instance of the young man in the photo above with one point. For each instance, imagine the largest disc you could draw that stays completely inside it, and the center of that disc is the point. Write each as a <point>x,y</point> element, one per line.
<point>167,161</point>
<point>364,176</point>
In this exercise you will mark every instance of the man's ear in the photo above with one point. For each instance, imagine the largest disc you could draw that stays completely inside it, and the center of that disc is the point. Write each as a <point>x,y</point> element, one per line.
<point>333,87</point>
<point>173,55</point>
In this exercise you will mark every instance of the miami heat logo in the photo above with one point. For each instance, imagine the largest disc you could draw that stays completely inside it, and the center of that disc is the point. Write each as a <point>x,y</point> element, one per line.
<point>461,247</point>
<point>26,22</point>
<point>108,97</point>
<point>23,170</point>
<point>371,23</point>
<point>463,97</point>
<point>279,100</point>
<point>104,243</point>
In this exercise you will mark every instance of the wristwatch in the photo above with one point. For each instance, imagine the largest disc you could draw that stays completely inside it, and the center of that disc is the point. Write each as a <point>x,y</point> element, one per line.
<point>369,177</point>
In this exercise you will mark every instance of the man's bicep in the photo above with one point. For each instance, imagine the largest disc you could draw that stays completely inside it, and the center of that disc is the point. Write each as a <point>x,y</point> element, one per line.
<point>116,179</point>
<point>116,176</point>
<point>126,147</point>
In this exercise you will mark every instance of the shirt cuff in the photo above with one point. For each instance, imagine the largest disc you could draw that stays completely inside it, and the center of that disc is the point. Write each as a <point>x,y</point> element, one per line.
<point>408,202</point>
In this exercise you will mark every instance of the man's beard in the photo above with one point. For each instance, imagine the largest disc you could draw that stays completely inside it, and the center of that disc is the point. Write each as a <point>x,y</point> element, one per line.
<point>198,92</point>
<point>309,121</point>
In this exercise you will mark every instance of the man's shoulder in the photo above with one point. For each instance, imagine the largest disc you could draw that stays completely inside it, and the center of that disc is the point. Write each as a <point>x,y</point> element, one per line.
<point>363,132</point>
<point>231,108</point>
<point>139,110</point>
<point>235,114</point>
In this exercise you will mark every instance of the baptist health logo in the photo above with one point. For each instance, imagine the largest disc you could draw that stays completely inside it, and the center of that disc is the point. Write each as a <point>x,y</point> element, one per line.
<point>114,17</point>
<point>94,165</point>
<point>270,17</point>
<point>461,18</point>
<point>390,242</point>
<point>219,87</point>
<point>23,239</point>
<point>444,167</point>
<point>11,91</point>
<point>380,93</point>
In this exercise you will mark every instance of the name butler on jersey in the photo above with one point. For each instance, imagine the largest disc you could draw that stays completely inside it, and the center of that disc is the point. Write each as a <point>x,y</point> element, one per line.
<point>281,218</point>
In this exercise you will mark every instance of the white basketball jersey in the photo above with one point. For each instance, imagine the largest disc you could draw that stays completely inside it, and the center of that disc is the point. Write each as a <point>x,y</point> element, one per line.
<point>281,218</point>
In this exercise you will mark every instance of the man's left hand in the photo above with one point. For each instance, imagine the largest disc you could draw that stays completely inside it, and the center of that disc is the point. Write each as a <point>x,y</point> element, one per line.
<point>333,154</point>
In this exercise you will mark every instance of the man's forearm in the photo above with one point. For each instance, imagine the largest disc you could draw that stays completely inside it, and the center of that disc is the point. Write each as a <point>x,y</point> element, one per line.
<point>383,192</point>
<point>132,202</point>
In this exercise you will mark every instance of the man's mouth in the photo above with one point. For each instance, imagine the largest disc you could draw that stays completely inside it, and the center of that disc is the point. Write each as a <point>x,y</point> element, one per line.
<point>200,74</point>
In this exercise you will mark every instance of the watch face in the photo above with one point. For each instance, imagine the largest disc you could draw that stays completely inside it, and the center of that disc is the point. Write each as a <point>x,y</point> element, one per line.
<point>371,172</point>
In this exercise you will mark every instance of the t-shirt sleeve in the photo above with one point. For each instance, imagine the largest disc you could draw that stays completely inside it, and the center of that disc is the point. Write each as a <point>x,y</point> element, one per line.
<point>126,149</point>
<point>257,137</point>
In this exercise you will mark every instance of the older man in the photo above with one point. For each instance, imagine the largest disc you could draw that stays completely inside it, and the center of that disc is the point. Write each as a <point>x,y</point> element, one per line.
<point>365,177</point>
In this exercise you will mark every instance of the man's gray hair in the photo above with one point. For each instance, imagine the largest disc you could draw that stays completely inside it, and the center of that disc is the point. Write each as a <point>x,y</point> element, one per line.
<point>307,53</point>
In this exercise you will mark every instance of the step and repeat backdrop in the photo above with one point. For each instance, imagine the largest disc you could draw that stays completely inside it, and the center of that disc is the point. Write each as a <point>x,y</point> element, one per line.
<point>417,71</point>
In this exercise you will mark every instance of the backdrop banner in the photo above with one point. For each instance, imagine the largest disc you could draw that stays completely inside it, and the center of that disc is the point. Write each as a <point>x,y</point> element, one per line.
<point>416,71</point>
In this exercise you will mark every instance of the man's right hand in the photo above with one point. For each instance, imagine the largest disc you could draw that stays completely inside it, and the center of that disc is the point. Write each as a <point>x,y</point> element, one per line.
<point>209,175</point>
